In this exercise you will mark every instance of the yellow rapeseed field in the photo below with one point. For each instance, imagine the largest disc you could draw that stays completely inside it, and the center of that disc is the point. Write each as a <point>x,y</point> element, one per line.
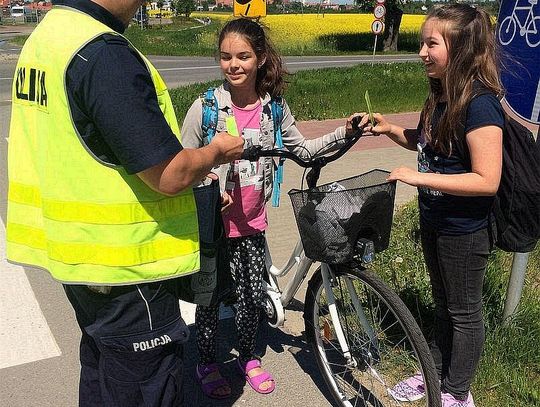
<point>298,31</point>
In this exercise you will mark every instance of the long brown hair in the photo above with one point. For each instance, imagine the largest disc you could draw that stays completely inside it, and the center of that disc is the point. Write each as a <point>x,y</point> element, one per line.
<point>271,75</point>
<point>473,54</point>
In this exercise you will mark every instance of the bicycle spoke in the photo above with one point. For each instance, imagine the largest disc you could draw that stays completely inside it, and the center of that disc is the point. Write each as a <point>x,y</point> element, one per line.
<point>381,354</point>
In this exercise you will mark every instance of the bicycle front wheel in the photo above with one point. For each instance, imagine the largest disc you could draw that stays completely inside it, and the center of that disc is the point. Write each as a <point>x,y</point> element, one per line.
<point>385,344</point>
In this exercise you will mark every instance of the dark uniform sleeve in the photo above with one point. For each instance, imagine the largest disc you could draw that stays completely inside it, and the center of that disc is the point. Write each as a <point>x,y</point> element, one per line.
<point>115,106</point>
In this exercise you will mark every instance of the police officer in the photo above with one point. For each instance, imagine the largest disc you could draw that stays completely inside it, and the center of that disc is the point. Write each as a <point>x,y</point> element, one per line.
<point>100,196</point>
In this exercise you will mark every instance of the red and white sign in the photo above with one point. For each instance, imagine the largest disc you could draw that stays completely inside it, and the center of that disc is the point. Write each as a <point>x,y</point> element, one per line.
<point>379,11</point>
<point>377,27</point>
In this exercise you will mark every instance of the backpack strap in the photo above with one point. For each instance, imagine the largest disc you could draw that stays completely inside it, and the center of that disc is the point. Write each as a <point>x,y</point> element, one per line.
<point>277,118</point>
<point>209,114</point>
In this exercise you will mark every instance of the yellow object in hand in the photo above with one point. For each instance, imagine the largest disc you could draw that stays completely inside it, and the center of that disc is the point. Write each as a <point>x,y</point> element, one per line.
<point>232,128</point>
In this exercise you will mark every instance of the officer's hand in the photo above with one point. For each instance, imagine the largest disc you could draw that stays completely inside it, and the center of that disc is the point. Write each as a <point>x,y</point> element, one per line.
<point>229,148</point>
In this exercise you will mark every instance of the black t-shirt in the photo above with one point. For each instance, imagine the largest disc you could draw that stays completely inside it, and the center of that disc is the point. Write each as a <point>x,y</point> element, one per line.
<point>451,214</point>
<point>113,101</point>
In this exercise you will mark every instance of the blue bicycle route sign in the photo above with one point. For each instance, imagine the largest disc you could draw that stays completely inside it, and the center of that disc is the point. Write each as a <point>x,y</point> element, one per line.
<point>518,32</point>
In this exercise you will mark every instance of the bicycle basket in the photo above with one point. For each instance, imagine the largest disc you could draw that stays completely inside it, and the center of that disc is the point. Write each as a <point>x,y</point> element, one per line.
<point>332,217</point>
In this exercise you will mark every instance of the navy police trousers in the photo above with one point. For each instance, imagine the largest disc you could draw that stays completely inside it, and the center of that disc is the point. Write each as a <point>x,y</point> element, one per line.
<point>132,345</point>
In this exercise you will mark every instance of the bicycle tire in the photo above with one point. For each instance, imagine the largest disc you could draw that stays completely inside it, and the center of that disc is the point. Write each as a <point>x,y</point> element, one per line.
<point>411,350</point>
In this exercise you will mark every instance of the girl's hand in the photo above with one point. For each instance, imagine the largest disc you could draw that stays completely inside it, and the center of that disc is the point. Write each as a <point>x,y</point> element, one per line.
<point>212,176</point>
<point>226,202</point>
<point>382,126</point>
<point>406,175</point>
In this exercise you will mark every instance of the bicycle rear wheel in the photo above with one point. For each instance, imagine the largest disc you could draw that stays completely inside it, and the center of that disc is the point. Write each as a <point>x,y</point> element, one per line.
<point>385,343</point>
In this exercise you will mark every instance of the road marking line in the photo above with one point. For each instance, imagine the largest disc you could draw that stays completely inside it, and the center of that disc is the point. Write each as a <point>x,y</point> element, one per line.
<point>25,335</point>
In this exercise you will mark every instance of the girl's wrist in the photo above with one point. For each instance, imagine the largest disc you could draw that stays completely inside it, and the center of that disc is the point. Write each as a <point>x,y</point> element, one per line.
<point>390,130</point>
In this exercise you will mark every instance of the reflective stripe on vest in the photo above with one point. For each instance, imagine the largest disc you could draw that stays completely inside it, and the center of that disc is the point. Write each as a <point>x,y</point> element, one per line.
<point>84,221</point>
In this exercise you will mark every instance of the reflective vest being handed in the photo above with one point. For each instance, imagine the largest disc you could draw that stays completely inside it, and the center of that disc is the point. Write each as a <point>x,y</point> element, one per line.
<point>83,220</point>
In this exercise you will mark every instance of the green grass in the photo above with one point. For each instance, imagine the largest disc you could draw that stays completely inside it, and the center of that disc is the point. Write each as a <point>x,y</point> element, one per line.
<point>19,40</point>
<point>509,371</point>
<point>188,37</point>
<point>338,92</point>
<point>183,37</point>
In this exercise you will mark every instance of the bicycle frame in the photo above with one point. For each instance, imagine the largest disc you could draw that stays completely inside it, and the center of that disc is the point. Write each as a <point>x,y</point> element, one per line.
<point>281,299</point>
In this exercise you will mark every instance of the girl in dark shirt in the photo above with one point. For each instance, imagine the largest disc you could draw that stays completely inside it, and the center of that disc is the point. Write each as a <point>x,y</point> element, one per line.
<point>459,53</point>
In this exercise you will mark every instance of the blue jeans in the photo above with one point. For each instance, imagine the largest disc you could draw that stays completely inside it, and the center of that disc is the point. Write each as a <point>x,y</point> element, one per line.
<point>456,266</point>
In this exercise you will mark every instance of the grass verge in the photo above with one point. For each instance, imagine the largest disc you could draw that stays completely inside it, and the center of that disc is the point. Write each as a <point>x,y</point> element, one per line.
<point>189,37</point>
<point>337,92</point>
<point>509,371</point>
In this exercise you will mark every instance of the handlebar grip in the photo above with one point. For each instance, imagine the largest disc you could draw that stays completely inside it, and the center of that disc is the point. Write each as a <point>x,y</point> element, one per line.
<point>251,153</point>
<point>355,122</point>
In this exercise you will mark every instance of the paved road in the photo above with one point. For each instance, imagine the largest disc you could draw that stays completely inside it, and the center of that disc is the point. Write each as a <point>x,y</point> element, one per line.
<point>38,333</point>
<point>178,71</point>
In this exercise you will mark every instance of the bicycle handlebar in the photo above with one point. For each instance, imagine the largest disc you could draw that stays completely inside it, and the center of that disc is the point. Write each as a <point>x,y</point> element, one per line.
<point>253,153</point>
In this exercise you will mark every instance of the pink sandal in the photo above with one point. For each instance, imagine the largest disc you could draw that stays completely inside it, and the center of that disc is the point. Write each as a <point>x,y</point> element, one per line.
<point>256,381</point>
<point>209,388</point>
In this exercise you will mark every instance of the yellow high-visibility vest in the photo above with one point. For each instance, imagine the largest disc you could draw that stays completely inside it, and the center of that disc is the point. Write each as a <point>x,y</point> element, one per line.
<point>83,220</point>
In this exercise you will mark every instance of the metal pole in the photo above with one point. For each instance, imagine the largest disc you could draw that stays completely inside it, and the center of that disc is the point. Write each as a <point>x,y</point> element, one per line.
<point>374,48</point>
<point>515,284</point>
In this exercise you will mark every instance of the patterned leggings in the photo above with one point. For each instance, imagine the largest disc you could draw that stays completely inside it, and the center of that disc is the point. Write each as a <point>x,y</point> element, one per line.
<point>247,256</point>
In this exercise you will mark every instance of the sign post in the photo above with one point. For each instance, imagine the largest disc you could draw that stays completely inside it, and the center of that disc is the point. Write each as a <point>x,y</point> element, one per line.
<point>249,8</point>
<point>519,37</point>
<point>377,26</point>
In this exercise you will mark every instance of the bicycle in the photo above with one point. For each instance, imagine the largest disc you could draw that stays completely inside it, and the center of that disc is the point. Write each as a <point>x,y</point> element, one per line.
<point>364,338</point>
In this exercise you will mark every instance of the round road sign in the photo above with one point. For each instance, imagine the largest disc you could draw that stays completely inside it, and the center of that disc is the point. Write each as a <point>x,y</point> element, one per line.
<point>379,11</point>
<point>381,1</point>
<point>377,27</point>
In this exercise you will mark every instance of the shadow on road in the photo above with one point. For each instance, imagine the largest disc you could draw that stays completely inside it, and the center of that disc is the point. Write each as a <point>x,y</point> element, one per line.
<point>269,340</point>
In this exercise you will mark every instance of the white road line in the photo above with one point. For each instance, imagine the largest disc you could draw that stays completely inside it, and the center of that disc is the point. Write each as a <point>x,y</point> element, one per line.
<point>24,334</point>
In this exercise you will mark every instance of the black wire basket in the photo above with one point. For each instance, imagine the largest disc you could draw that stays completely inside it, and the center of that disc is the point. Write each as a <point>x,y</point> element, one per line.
<point>332,217</point>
